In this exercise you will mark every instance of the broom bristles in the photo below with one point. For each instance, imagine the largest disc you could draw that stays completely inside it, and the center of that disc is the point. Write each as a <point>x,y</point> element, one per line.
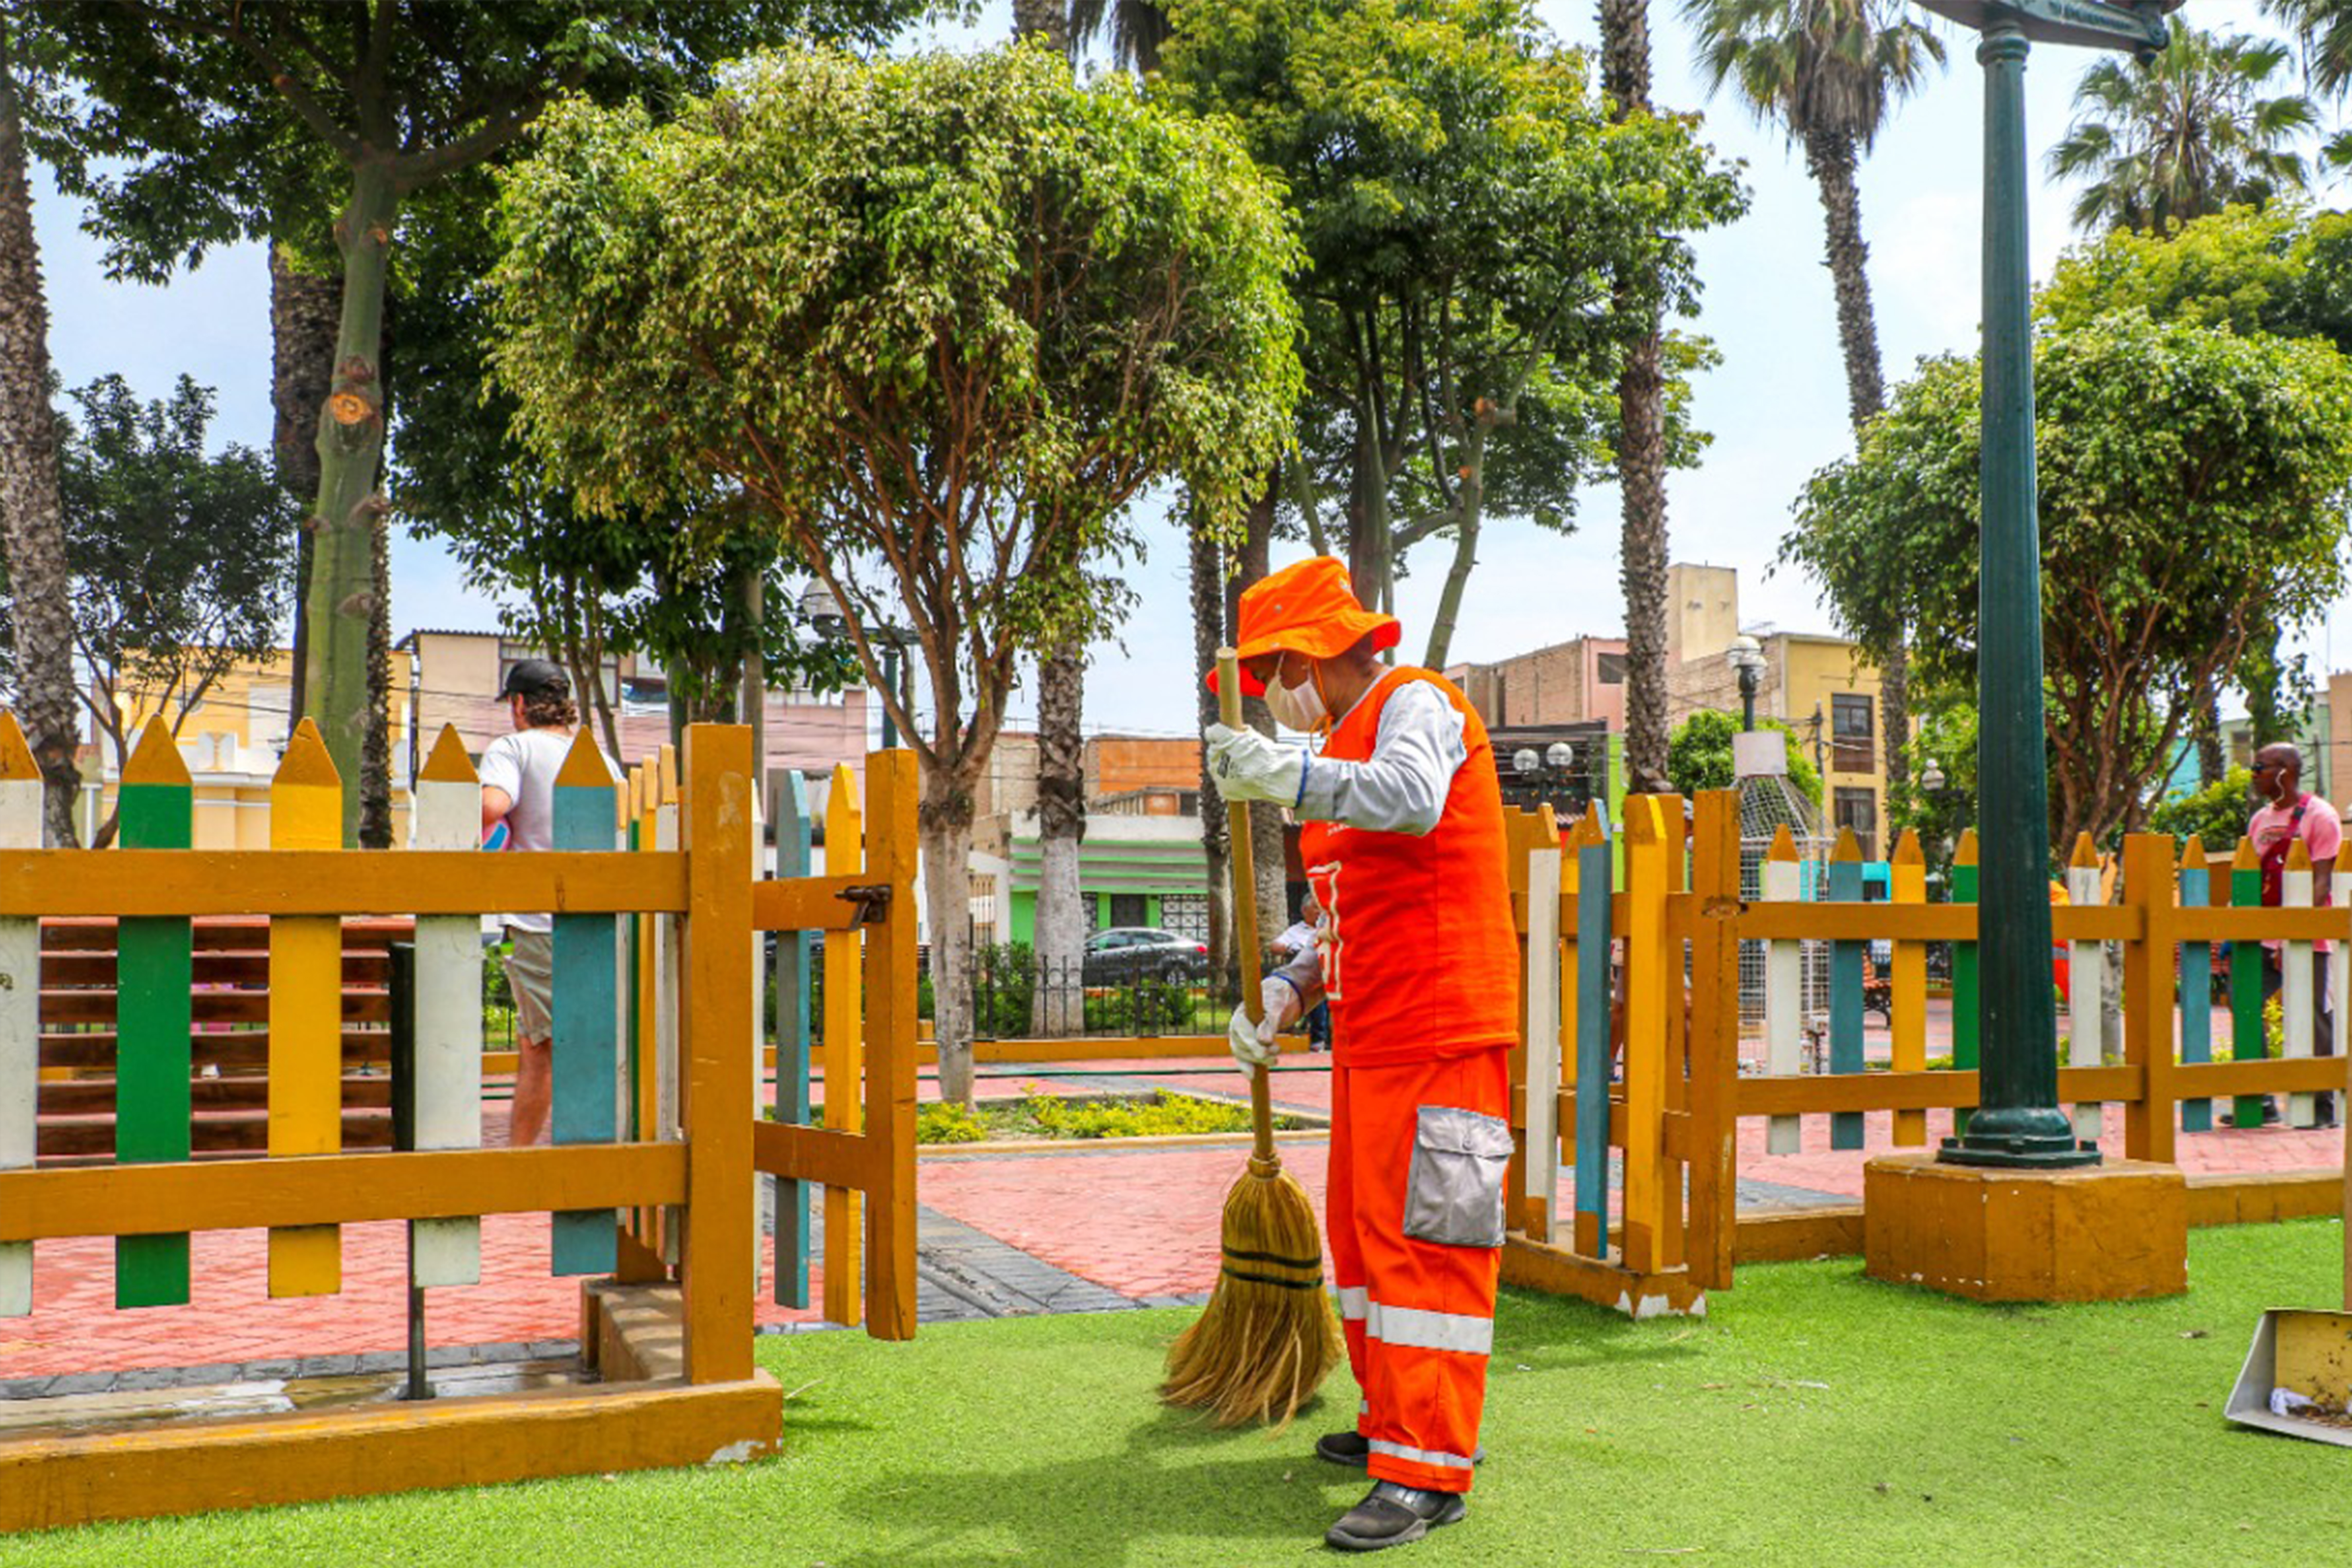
<point>1267,1338</point>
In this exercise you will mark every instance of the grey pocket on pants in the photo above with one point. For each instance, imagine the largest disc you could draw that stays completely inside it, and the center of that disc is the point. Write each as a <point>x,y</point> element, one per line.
<point>1453,1194</point>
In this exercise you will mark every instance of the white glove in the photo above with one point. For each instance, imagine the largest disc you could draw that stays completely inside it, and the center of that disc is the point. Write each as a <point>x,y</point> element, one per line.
<point>1252,1044</point>
<point>1246,765</point>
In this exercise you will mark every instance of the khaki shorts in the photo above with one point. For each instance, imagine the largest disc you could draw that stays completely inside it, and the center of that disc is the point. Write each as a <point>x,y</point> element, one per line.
<point>531,976</point>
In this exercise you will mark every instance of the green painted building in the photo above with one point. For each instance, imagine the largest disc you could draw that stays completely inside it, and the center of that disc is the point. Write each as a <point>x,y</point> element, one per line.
<point>1132,871</point>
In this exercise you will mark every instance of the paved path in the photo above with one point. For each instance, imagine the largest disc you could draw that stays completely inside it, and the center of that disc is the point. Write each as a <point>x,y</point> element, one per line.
<point>1068,1228</point>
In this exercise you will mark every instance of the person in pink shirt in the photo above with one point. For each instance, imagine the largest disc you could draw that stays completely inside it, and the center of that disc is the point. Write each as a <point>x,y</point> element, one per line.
<point>2290,812</point>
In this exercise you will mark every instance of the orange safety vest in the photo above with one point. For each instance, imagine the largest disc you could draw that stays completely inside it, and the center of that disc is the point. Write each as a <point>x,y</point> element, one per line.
<point>1422,963</point>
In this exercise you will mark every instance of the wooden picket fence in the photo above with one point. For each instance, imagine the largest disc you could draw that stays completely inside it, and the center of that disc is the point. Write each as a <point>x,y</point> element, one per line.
<point>656,1129</point>
<point>1661,1134</point>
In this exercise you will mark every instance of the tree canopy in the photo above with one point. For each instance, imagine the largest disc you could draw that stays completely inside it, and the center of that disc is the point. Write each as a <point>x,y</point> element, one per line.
<point>1481,243</point>
<point>2192,489</point>
<point>937,320</point>
<point>2160,141</point>
<point>1698,756</point>
<point>238,115</point>
<point>176,558</point>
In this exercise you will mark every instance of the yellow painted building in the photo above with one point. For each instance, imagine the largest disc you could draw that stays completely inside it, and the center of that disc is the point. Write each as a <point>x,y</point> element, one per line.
<point>1820,686</point>
<point>231,742</point>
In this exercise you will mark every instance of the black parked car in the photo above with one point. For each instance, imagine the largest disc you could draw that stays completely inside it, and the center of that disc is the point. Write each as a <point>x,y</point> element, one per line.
<point>1125,954</point>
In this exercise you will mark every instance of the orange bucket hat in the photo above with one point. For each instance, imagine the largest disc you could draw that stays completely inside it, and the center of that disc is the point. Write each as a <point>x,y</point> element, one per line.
<point>1306,608</point>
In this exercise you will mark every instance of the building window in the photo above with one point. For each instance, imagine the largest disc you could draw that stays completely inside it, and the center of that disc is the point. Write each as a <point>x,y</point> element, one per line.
<point>1850,751</point>
<point>1609,668</point>
<point>1186,915</point>
<point>1126,910</point>
<point>1858,809</point>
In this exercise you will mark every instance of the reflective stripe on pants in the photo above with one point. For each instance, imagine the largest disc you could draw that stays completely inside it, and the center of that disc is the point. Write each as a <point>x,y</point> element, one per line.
<point>1418,1316</point>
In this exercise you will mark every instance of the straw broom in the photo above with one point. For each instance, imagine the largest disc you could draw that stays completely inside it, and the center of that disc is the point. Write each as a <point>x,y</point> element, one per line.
<point>1268,1338</point>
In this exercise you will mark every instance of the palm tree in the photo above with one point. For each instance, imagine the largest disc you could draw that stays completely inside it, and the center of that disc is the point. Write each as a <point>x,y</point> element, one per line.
<point>2185,135</point>
<point>1640,447</point>
<point>32,513</point>
<point>2324,27</point>
<point>1137,29</point>
<point>1828,72</point>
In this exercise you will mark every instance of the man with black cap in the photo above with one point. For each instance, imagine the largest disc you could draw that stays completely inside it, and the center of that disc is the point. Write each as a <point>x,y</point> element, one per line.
<point>518,790</point>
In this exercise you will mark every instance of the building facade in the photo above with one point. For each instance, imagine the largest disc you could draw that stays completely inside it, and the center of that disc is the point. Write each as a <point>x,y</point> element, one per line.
<point>456,677</point>
<point>1823,687</point>
<point>232,740</point>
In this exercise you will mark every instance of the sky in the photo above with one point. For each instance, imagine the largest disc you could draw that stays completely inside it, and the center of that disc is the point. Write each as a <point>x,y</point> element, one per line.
<point>1775,405</point>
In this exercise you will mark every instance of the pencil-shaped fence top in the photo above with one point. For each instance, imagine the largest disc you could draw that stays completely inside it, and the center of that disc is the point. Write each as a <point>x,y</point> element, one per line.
<point>1965,852</point>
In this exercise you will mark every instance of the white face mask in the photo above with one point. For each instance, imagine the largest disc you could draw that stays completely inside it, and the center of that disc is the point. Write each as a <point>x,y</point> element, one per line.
<point>1300,706</point>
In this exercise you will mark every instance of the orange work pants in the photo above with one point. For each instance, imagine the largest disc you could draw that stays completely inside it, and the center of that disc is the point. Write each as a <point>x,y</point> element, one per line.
<point>1419,1315</point>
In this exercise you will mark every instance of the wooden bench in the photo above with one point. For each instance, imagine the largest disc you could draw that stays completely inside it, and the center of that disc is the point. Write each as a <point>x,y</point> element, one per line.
<point>230,1047</point>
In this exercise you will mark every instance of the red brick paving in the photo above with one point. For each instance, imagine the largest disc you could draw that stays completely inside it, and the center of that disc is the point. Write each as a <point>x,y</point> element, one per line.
<point>1142,1222</point>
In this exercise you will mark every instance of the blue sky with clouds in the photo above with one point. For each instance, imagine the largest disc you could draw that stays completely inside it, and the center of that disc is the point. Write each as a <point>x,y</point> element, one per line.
<point>1775,405</point>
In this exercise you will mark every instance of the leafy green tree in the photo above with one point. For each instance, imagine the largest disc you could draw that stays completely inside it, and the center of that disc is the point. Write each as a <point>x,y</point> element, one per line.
<point>176,558</point>
<point>938,321</point>
<point>1700,755</point>
<point>2281,269</point>
<point>584,585</point>
<point>1937,795</point>
<point>396,95</point>
<point>1482,246</point>
<point>2192,486</point>
<point>2217,814</point>
<point>2188,133</point>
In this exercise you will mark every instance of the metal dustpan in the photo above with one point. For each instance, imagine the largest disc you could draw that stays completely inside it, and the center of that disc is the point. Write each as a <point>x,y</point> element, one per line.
<point>2307,1353</point>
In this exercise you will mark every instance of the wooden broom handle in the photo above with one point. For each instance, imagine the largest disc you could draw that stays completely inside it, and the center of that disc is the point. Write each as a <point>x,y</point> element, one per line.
<point>1245,873</point>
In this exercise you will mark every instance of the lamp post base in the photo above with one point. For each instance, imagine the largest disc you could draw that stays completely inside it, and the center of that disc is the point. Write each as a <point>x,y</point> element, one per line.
<point>2119,1233</point>
<point>2019,1137</point>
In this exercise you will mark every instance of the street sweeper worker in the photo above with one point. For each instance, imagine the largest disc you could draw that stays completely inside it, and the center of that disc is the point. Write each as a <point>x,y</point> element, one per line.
<point>1403,848</point>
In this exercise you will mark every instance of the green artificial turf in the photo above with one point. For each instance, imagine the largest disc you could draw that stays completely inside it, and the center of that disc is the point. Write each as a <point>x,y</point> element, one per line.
<point>1815,1418</point>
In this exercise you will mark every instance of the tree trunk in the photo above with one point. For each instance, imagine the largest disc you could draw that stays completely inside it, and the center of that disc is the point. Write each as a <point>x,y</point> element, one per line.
<point>1469,508</point>
<point>1057,1005</point>
<point>1831,159</point>
<point>2205,728</point>
<point>945,831</point>
<point>1369,543</point>
<point>31,514</point>
<point>1208,636</point>
<point>1641,448</point>
<point>376,750</point>
<point>302,314</point>
<point>1269,873</point>
<point>1048,19</point>
<point>350,512</point>
<point>1642,557</point>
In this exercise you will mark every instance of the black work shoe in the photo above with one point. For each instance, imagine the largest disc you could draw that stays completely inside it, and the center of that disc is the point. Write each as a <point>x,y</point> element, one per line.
<point>1391,1515</point>
<point>1355,1449</point>
<point>1344,1448</point>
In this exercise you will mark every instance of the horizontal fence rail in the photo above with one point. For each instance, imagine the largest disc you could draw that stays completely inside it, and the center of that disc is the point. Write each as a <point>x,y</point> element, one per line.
<point>231,1034</point>
<point>1632,984</point>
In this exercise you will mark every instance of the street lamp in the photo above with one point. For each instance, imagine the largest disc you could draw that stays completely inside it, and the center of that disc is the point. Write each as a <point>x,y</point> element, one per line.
<point>823,611</point>
<point>2018,1123</point>
<point>1746,656</point>
<point>1545,771</point>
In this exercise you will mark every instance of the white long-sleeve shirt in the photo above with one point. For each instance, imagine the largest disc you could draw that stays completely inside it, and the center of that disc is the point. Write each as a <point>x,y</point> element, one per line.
<point>1403,786</point>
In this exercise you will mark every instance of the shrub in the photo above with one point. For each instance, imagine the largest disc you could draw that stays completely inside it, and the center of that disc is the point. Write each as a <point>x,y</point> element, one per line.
<point>947,1122</point>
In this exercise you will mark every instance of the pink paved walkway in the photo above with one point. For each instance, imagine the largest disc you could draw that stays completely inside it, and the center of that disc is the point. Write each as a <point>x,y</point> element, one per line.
<point>1143,1221</point>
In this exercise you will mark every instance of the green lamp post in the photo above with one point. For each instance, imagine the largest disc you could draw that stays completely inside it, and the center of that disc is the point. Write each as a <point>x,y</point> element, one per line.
<point>2017,1122</point>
